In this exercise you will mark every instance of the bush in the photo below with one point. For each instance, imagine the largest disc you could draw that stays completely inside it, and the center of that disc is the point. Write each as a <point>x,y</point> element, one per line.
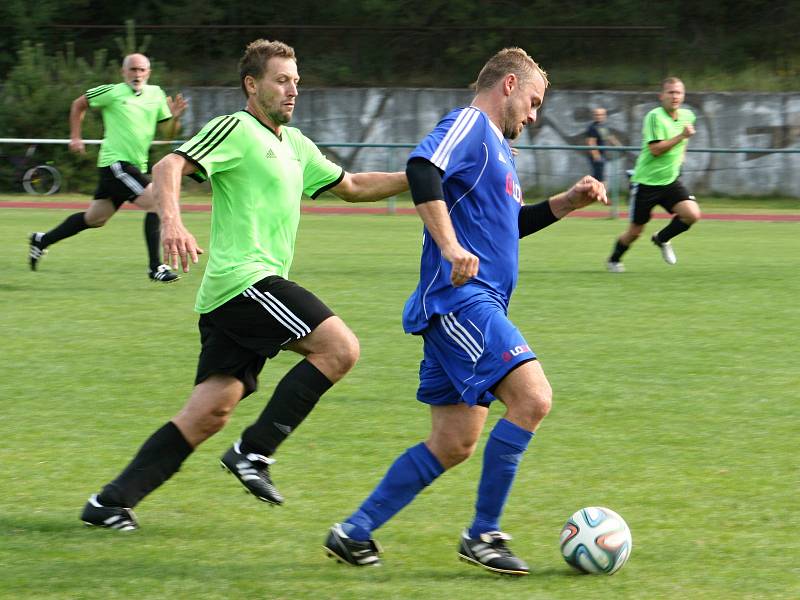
<point>35,102</point>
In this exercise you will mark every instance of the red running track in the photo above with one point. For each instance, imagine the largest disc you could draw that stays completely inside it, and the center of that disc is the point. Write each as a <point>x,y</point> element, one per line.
<point>373,210</point>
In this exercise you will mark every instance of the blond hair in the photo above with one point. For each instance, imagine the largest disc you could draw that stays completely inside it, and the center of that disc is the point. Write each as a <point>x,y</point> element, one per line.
<point>257,54</point>
<point>508,60</point>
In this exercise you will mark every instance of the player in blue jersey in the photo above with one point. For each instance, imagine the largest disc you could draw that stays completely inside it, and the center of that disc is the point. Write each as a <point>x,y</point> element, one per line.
<point>465,187</point>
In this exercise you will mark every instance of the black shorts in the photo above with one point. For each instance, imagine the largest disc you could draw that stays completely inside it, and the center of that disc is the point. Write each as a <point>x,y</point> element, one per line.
<point>598,169</point>
<point>644,198</point>
<point>120,182</point>
<point>238,337</point>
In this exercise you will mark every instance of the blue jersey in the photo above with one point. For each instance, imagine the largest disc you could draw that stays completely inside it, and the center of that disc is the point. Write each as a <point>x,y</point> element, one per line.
<point>483,197</point>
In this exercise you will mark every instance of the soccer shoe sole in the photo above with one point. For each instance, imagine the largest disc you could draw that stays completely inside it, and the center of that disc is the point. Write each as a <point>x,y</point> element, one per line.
<point>246,489</point>
<point>509,572</point>
<point>332,554</point>
<point>335,556</point>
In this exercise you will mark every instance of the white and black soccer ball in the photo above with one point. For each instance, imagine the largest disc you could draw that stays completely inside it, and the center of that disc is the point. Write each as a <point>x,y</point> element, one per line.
<point>596,540</point>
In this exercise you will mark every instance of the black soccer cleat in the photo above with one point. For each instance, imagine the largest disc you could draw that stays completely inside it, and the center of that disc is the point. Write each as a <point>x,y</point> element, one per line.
<point>252,470</point>
<point>35,249</point>
<point>163,273</point>
<point>112,517</point>
<point>349,551</point>
<point>490,552</point>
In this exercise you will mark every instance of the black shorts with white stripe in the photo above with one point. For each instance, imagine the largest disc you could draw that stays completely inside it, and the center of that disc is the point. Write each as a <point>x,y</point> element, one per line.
<point>644,198</point>
<point>238,337</point>
<point>120,182</point>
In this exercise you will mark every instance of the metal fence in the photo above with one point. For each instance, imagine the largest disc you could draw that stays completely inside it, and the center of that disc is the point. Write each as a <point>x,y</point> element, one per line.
<point>542,181</point>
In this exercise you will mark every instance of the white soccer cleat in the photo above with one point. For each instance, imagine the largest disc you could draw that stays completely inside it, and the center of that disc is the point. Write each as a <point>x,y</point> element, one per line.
<point>667,253</point>
<point>615,267</point>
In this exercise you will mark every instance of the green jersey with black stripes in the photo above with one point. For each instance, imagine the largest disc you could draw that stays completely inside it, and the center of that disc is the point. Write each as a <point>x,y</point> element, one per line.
<point>658,126</point>
<point>257,179</point>
<point>129,121</point>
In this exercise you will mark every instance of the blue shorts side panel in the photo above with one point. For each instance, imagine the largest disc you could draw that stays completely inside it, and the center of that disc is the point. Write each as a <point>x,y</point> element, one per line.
<point>467,352</point>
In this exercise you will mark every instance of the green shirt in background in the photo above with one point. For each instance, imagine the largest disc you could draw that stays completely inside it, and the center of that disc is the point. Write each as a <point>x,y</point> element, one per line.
<point>129,121</point>
<point>257,182</point>
<point>658,126</point>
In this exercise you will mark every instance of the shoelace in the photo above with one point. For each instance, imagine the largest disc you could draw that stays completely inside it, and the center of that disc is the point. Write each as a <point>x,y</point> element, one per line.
<point>253,457</point>
<point>497,540</point>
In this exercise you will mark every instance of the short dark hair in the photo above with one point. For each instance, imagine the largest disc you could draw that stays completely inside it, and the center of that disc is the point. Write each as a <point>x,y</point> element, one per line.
<point>669,80</point>
<point>257,54</point>
<point>508,60</point>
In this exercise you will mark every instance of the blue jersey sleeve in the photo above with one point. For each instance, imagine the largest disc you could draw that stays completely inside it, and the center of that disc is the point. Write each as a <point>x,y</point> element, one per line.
<point>456,143</point>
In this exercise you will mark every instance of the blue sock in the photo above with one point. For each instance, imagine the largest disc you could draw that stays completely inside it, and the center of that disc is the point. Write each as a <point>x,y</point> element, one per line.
<point>501,457</point>
<point>411,473</point>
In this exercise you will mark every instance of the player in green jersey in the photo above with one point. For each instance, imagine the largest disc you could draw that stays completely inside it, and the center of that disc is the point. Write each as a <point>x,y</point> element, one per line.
<point>249,311</point>
<point>131,111</point>
<point>656,177</point>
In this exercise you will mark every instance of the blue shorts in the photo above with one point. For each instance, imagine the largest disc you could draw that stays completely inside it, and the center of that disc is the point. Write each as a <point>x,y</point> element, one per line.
<point>467,352</point>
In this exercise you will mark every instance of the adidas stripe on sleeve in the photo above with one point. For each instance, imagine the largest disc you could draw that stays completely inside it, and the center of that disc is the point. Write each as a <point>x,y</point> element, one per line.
<point>454,144</point>
<point>99,96</point>
<point>213,149</point>
<point>652,131</point>
<point>455,135</point>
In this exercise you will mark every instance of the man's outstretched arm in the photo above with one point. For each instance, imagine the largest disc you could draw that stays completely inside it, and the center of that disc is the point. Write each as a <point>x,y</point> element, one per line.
<point>369,187</point>
<point>534,217</point>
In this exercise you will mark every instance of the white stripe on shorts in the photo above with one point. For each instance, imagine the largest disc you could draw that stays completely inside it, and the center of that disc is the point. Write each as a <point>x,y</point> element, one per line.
<point>634,189</point>
<point>280,311</point>
<point>461,336</point>
<point>126,178</point>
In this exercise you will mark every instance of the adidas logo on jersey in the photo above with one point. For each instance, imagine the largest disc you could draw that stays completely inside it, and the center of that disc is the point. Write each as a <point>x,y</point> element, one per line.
<point>270,154</point>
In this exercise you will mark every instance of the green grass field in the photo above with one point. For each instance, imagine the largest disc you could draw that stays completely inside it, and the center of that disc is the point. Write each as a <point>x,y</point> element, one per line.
<point>675,404</point>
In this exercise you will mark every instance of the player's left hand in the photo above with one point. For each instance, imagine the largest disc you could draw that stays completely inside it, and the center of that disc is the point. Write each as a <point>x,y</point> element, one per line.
<point>179,243</point>
<point>585,192</point>
<point>177,106</point>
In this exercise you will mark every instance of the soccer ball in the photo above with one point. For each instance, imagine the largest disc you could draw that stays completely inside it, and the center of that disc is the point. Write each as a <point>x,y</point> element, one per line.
<point>596,540</point>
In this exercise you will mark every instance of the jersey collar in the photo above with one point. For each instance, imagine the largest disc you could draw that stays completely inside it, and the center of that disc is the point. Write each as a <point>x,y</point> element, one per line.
<point>677,114</point>
<point>272,131</point>
<point>496,130</point>
<point>133,91</point>
<point>494,127</point>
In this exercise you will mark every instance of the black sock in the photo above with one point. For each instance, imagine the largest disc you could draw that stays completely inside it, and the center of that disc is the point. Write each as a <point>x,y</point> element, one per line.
<point>675,227</point>
<point>619,250</point>
<point>159,458</point>
<point>152,237</point>
<point>72,225</point>
<point>294,398</point>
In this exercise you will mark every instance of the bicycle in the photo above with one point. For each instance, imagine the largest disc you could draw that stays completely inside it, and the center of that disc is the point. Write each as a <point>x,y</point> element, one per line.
<point>38,180</point>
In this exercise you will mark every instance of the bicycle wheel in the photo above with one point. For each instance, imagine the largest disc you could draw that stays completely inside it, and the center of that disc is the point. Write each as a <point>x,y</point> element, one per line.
<point>41,180</point>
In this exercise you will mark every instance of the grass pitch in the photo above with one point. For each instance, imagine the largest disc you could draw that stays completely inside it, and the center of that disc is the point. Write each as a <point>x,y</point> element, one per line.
<point>675,404</point>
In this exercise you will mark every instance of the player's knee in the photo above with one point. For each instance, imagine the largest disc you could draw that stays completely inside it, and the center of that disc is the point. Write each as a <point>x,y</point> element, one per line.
<point>214,421</point>
<point>541,403</point>
<point>347,352</point>
<point>456,452</point>
<point>96,221</point>
<point>691,218</point>
<point>535,408</point>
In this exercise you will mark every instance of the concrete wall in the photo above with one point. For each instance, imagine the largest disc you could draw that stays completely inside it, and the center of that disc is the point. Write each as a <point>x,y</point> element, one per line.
<point>724,120</point>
